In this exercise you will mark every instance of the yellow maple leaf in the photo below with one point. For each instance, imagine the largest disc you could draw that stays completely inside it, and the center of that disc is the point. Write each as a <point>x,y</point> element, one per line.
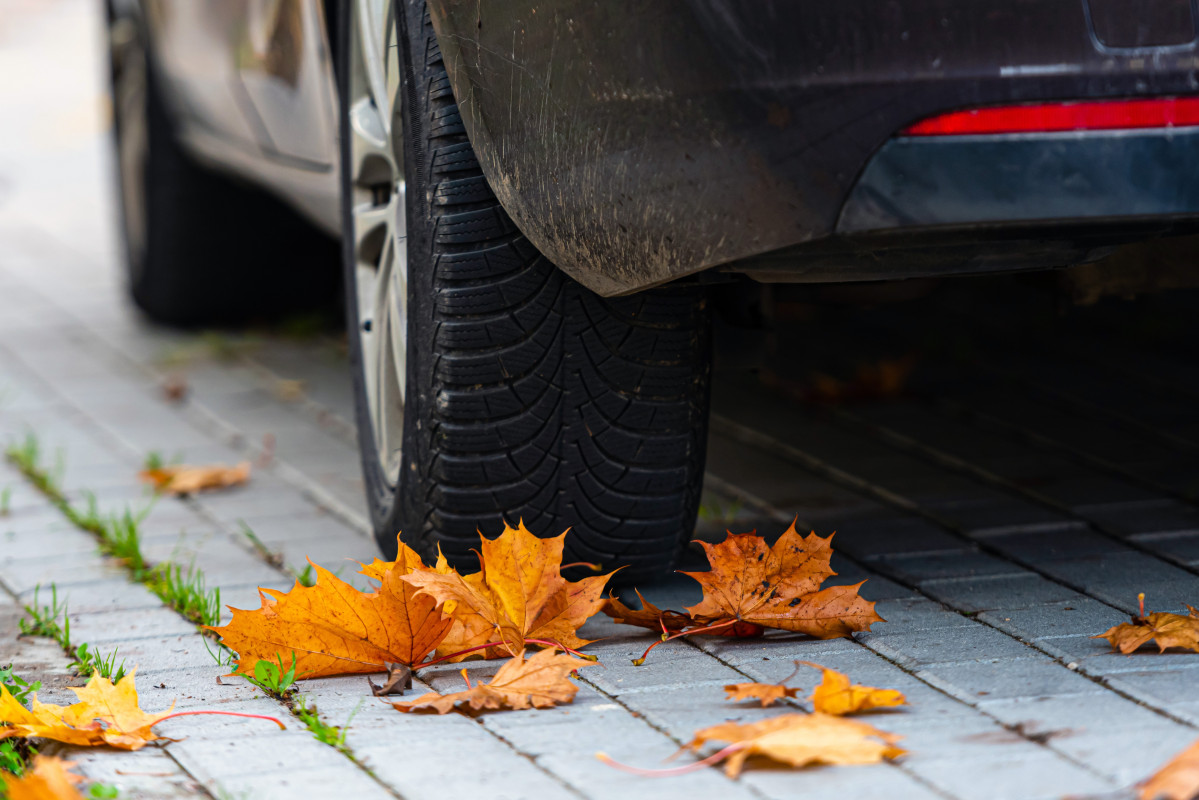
<point>836,696</point>
<point>105,714</point>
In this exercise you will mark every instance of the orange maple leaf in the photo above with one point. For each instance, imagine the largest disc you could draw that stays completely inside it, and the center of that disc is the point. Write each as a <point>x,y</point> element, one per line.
<point>1168,630</point>
<point>182,479</point>
<point>335,629</point>
<point>752,587</point>
<point>517,597</point>
<point>779,586</point>
<point>46,779</point>
<point>1177,780</point>
<point>793,739</point>
<point>836,696</point>
<point>539,681</point>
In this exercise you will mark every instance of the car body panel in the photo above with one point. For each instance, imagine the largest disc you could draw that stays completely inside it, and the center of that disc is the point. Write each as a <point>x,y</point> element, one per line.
<point>638,142</point>
<point>250,87</point>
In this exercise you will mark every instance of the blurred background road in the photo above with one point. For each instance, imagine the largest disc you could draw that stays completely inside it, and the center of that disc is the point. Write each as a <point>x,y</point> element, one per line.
<point>1008,469</point>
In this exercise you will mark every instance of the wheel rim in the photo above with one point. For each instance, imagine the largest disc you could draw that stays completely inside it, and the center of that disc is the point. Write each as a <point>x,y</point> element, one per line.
<point>379,224</point>
<point>129,105</point>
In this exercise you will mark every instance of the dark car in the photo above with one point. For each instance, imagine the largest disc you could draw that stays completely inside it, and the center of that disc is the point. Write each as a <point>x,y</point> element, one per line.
<point>539,203</point>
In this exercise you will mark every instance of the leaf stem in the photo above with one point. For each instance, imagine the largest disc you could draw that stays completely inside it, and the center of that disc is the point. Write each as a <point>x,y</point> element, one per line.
<point>476,648</point>
<point>669,771</point>
<point>224,714</point>
<point>705,629</point>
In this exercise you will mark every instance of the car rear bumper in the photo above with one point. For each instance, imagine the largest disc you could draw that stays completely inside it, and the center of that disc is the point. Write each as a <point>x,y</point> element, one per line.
<point>637,142</point>
<point>914,182</point>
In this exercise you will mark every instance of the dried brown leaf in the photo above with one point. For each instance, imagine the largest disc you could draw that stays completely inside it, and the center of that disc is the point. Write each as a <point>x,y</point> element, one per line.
<point>1167,630</point>
<point>539,681</point>
<point>182,479</point>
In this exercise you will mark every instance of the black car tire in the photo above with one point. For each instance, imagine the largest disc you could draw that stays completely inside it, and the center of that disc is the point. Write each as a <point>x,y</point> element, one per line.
<point>528,396</point>
<point>214,250</point>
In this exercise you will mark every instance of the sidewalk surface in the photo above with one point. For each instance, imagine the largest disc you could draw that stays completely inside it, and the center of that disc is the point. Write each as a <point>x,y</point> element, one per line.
<point>1000,524</point>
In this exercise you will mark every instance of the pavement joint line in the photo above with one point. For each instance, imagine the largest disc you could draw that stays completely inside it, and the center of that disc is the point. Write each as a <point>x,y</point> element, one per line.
<point>908,444</point>
<point>1101,680</point>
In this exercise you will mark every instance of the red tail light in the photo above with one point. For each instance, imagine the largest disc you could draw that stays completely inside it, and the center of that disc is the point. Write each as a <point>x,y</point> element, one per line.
<point>1161,112</point>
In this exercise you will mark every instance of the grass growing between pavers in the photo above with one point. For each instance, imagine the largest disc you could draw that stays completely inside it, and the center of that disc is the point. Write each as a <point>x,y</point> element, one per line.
<point>119,536</point>
<point>185,592</point>
<point>53,622</point>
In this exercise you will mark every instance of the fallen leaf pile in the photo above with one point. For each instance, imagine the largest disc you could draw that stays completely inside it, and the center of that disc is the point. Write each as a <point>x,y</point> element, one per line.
<point>46,779</point>
<point>536,682</point>
<point>796,740</point>
<point>1177,780</point>
<point>1167,630</point>
<point>105,715</point>
<point>182,479</point>
<point>752,586</point>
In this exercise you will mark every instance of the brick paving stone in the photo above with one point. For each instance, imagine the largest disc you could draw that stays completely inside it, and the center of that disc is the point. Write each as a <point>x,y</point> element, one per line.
<point>1118,581</point>
<point>1162,688</point>
<point>106,626</point>
<point>143,774</point>
<point>103,595</point>
<point>1072,713</point>
<point>1027,772</point>
<point>1041,545</point>
<point>350,781</point>
<point>1011,678</point>
<point>1129,754</point>
<point>1180,545</point>
<point>1080,615</point>
<point>1006,592</point>
<point>962,564</point>
<point>839,784</point>
<point>871,539</point>
<point>1158,515</point>
<point>917,614</point>
<point>946,646</point>
<point>1096,656</point>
